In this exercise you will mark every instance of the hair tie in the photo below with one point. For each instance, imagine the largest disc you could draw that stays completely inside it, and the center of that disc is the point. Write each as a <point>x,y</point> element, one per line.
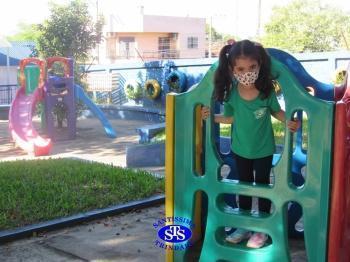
<point>231,41</point>
<point>227,55</point>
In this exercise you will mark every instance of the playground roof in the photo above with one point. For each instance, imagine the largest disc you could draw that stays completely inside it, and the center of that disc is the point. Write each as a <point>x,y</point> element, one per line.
<point>17,51</point>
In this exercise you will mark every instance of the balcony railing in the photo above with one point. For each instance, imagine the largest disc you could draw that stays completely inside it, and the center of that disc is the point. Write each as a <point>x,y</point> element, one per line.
<point>147,55</point>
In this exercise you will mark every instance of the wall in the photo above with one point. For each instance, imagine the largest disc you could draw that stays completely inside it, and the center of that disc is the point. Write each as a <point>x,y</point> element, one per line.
<point>153,27</point>
<point>185,26</point>
<point>321,65</point>
<point>12,76</point>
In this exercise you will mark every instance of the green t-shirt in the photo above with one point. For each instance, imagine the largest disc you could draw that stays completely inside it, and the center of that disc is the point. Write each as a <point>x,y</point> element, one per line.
<point>252,134</point>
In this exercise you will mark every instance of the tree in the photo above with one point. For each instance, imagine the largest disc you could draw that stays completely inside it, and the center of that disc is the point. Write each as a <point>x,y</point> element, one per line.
<point>69,31</point>
<point>27,32</point>
<point>303,26</point>
<point>215,35</point>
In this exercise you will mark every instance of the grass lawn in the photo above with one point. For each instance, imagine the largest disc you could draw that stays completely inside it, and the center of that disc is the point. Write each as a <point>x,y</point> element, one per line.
<point>225,130</point>
<point>278,129</point>
<point>39,190</point>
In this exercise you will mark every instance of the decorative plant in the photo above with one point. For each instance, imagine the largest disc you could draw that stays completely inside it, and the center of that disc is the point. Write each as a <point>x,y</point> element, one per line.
<point>339,76</point>
<point>133,90</point>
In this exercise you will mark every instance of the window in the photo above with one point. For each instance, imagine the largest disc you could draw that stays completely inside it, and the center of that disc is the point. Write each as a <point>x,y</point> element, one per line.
<point>163,46</point>
<point>192,42</point>
<point>127,47</point>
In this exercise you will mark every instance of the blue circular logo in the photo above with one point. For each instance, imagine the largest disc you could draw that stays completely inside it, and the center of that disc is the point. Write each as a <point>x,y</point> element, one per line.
<point>174,233</point>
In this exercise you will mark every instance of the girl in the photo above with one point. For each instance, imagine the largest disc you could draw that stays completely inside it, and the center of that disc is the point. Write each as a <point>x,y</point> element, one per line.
<point>243,82</point>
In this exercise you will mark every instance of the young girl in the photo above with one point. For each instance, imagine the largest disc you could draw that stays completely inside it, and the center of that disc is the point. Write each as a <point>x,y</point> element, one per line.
<point>243,82</point>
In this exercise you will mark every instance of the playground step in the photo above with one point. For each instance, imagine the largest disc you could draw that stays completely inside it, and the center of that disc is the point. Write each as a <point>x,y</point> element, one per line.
<point>149,131</point>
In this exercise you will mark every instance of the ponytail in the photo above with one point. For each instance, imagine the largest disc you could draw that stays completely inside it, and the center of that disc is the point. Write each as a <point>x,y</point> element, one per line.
<point>223,75</point>
<point>265,81</point>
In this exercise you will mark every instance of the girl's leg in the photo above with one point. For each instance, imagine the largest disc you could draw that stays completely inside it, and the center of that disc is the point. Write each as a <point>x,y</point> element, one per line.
<point>245,174</point>
<point>262,168</point>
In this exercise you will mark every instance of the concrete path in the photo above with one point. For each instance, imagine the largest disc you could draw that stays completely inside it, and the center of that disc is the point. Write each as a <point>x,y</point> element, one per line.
<point>126,237</point>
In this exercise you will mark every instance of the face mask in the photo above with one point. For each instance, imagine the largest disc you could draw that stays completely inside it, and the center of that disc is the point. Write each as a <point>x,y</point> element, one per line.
<point>247,78</point>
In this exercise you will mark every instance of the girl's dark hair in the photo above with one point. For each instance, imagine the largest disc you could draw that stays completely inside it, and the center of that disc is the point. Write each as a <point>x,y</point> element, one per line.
<point>227,58</point>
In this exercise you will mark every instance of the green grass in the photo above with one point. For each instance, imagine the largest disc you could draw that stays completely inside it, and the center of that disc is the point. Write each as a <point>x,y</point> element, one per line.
<point>225,130</point>
<point>278,129</point>
<point>39,190</point>
<point>159,137</point>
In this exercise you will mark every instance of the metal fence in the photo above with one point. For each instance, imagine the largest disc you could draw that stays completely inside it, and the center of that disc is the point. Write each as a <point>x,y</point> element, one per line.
<point>7,94</point>
<point>106,88</point>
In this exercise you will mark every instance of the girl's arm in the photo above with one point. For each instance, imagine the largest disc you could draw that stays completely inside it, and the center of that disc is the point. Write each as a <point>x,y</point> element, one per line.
<point>280,115</point>
<point>218,118</point>
<point>293,125</point>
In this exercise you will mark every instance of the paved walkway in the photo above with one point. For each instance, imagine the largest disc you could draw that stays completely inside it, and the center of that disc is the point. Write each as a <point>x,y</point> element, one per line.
<point>91,143</point>
<point>126,237</point>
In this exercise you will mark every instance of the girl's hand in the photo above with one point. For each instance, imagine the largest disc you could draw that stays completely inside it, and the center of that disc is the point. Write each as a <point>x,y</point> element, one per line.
<point>293,125</point>
<point>205,112</point>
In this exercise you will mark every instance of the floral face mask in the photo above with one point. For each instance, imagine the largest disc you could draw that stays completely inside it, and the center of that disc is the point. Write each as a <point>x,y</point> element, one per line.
<point>247,78</point>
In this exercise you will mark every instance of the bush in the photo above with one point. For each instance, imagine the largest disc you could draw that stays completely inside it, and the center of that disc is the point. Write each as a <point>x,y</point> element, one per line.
<point>133,90</point>
<point>339,76</point>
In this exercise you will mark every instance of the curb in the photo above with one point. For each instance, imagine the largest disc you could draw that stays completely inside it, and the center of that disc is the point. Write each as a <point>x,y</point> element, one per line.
<point>27,231</point>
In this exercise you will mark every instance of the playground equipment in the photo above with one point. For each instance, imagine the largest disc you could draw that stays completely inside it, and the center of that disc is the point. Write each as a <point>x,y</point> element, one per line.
<point>176,81</point>
<point>339,229</point>
<point>152,88</point>
<point>193,174</point>
<point>21,113</point>
<point>54,92</point>
<point>60,93</point>
<point>322,91</point>
<point>81,95</point>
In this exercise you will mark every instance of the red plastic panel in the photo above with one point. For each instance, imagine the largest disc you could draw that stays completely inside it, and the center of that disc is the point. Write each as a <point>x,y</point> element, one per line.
<point>339,230</point>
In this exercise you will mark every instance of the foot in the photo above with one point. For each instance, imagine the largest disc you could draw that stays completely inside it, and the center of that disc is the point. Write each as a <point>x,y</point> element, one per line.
<point>257,240</point>
<point>238,236</point>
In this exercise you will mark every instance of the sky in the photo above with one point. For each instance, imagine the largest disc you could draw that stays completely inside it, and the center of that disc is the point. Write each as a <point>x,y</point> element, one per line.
<point>237,17</point>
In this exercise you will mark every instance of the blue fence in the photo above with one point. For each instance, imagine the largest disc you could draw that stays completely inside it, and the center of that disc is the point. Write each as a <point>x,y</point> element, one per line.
<point>319,65</point>
<point>140,72</point>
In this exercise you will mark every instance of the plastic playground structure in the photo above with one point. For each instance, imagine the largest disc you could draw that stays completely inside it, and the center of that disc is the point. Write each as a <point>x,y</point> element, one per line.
<point>196,190</point>
<point>52,91</point>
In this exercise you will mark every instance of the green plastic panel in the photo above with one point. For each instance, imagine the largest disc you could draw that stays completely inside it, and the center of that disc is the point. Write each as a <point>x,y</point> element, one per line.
<point>313,196</point>
<point>31,73</point>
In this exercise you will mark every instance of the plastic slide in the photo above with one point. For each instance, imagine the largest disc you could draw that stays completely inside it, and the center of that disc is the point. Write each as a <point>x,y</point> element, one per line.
<point>21,126</point>
<point>322,90</point>
<point>80,94</point>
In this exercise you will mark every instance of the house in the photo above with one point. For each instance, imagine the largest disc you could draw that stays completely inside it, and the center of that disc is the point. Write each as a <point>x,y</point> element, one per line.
<point>150,37</point>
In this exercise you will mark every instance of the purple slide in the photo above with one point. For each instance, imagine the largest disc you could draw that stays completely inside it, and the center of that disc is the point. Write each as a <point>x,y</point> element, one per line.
<point>20,123</point>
